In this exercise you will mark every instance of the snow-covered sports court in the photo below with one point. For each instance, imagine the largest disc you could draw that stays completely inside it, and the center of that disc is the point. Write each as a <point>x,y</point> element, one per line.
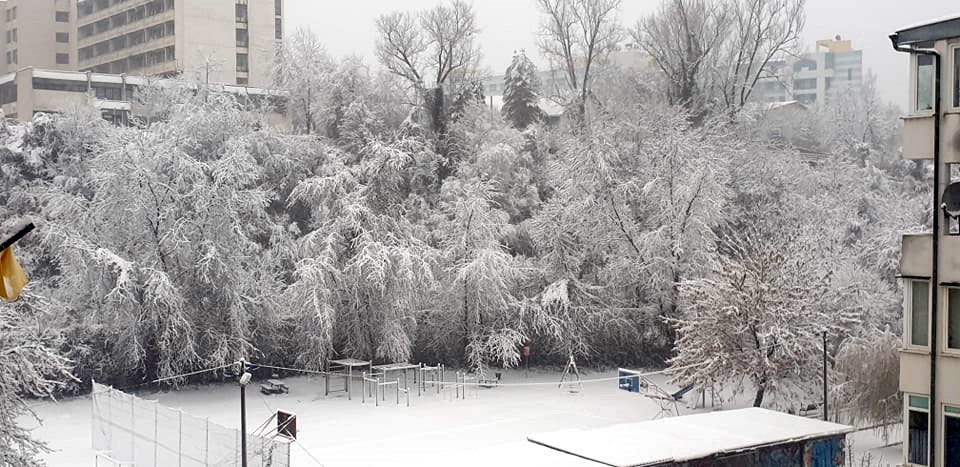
<point>488,428</point>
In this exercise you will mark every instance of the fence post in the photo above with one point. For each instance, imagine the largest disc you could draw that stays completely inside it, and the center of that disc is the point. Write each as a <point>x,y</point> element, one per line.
<point>180,438</point>
<point>206,449</point>
<point>156,434</point>
<point>133,430</point>
<point>93,414</point>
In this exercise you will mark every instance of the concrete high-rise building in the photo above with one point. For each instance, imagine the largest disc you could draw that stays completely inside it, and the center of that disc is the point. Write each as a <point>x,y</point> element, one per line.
<point>812,77</point>
<point>218,41</point>
<point>38,33</point>
<point>930,261</point>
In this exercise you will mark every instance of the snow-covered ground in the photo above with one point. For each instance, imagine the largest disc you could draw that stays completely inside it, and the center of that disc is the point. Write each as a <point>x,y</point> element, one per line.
<point>488,428</point>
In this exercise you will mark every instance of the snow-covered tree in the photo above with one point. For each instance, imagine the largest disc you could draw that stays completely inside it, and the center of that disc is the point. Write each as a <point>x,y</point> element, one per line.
<point>162,258</point>
<point>576,36</point>
<point>30,367</point>
<point>521,94</point>
<point>757,316</point>
<point>868,370</point>
<point>436,52</point>
<point>633,213</point>
<point>303,70</point>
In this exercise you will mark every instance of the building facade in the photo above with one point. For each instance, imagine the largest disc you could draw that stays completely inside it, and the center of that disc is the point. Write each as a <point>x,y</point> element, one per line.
<point>811,78</point>
<point>29,91</point>
<point>930,262</point>
<point>39,33</point>
<point>215,41</point>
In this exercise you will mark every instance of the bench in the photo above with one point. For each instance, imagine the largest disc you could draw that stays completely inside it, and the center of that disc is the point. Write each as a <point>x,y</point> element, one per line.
<point>489,383</point>
<point>274,386</point>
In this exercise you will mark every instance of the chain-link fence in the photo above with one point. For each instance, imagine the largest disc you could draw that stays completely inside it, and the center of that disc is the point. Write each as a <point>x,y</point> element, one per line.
<point>136,432</point>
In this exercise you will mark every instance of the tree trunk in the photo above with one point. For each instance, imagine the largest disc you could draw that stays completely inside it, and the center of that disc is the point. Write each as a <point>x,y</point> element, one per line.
<point>761,389</point>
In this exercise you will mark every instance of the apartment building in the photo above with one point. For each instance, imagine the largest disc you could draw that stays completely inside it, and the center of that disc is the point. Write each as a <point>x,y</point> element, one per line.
<point>930,262</point>
<point>29,91</point>
<point>811,78</point>
<point>215,41</point>
<point>40,33</point>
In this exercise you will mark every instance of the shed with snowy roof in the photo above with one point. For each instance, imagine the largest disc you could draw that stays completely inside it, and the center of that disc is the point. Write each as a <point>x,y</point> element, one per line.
<point>742,438</point>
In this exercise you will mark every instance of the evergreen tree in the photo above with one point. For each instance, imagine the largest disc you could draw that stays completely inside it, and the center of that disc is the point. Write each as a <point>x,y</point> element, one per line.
<point>521,92</point>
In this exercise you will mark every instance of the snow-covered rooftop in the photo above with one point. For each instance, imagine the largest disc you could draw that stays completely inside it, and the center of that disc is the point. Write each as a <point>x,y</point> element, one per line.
<point>929,22</point>
<point>931,30</point>
<point>686,438</point>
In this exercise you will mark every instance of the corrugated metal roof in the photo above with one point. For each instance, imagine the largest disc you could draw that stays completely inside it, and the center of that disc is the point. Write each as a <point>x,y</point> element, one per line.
<point>688,437</point>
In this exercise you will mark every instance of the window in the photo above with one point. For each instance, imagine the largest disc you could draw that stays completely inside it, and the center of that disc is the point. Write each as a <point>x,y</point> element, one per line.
<point>63,16</point>
<point>919,312</point>
<point>15,59</point>
<point>9,37</point>
<point>14,13</point>
<point>953,318</point>
<point>849,74</point>
<point>9,58</point>
<point>278,25</point>
<point>810,83</point>
<point>241,13</point>
<point>956,77</point>
<point>60,85</point>
<point>242,65</point>
<point>63,59</point>
<point>951,436</point>
<point>243,39</point>
<point>108,92</point>
<point>8,93</point>
<point>242,81</point>
<point>925,90</point>
<point>277,7</point>
<point>15,35</point>
<point>918,436</point>
<point>63,37</point>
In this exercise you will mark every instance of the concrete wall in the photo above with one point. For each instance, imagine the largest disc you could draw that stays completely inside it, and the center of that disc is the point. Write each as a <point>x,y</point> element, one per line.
<point>919,125</point>
<point>206,40</point>
<point>206,34</point>
<point>263,42</point>
<point>36,27</point>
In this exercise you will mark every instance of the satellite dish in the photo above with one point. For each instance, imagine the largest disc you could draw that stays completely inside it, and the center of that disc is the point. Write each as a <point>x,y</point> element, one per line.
<point>951,200</point>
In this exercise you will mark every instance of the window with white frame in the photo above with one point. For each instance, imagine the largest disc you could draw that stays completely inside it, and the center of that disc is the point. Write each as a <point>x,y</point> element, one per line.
<point>919,313</point>
<point>918,430</point>
<point>953,318</point>
<point>951,436</point>
<point>925,83</point>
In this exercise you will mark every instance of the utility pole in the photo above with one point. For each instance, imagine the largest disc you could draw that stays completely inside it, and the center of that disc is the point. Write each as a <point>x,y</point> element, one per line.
<point>825,375</point>
<point>244,379</point>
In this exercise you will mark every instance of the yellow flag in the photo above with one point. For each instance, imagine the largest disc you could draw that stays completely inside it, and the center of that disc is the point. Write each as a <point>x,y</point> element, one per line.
<point>12,277</point>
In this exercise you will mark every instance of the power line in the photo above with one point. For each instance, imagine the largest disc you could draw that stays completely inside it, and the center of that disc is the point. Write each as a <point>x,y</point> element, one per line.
<point>158,380</point>
<point>295,440</point>
<point>585,381</point>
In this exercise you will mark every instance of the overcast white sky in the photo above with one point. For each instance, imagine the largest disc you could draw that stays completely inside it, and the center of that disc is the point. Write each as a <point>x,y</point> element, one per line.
<point>347,27</point>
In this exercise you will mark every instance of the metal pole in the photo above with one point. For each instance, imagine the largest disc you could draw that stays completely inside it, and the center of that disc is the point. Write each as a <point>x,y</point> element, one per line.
<point>133,430</point>
<point>156,438</point>
<point>206,450</point>
<point>243,415</point>
<point>824,375</point>
<point>180,439</point>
